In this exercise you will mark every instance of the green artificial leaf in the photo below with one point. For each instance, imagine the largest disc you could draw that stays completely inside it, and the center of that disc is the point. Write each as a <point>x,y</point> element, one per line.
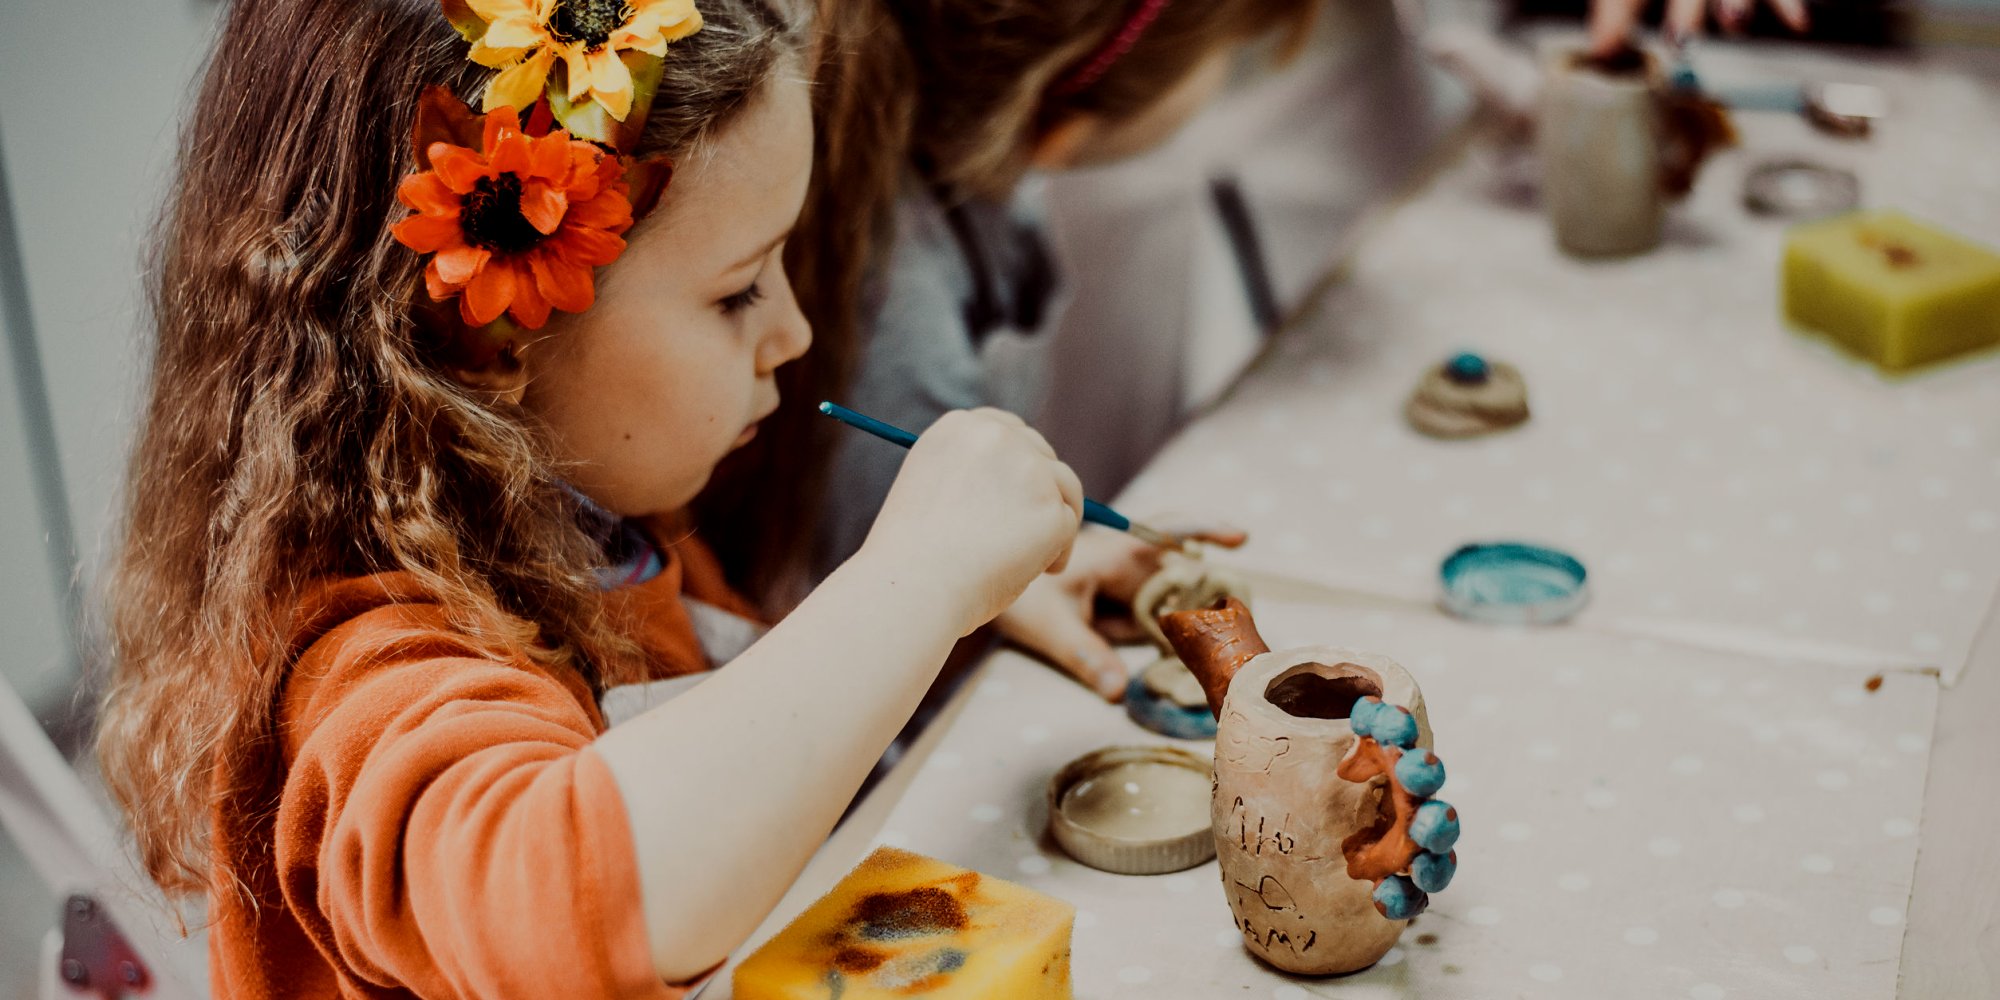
<point>588,120</point>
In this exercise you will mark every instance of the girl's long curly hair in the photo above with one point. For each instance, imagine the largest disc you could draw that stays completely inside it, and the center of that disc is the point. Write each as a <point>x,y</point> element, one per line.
<point>299,427</point>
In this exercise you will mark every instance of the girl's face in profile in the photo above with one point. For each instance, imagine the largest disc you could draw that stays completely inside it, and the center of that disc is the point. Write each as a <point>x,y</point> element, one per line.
<point>673,366</point>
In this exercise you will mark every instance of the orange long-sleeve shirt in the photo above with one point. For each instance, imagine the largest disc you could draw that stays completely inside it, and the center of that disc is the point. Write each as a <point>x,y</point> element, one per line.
<point>437,831</point>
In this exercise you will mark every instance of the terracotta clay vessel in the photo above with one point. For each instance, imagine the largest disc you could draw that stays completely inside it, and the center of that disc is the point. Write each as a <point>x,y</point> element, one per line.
<point>1284,822</point>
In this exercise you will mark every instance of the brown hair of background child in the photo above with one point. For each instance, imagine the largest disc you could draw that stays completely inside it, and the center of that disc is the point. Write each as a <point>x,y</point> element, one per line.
<point>961,90</point>
<point>301,427</point>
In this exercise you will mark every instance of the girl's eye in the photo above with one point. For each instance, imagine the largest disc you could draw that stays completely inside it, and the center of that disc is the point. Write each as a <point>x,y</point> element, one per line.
<point>743,300</point>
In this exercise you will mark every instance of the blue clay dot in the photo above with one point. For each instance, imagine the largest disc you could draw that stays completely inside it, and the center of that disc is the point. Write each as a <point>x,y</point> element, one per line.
<point>1467,368</point>
<point>1362,716</point>
<point>1432,872</point>
<point>1394,725</point>
<point>1398,898</point>
<point>1435,827</point>
<point>1421,772</point>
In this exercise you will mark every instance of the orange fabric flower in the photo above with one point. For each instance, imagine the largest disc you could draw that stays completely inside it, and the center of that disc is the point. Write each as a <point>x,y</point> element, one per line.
<point>518,225</point>
<point>524,38</point>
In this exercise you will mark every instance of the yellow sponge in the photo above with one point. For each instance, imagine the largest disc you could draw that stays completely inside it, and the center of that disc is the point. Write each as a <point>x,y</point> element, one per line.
<point>903,925</point>
<point>1894,290</point>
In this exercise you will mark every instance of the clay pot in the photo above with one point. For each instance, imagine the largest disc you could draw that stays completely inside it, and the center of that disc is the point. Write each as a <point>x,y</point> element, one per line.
<point>1280,813</point>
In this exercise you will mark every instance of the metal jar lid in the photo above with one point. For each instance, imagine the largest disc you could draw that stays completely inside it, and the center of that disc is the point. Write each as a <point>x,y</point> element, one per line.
<point>1800,189</point>
<point>1126,855</point>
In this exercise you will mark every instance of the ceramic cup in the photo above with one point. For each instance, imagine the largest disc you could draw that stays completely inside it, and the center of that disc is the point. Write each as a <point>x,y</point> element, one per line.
<point>1600,140</point>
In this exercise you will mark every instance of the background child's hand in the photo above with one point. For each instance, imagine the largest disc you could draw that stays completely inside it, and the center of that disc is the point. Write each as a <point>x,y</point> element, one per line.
<point>981,508</point>
<point>1059,618</point>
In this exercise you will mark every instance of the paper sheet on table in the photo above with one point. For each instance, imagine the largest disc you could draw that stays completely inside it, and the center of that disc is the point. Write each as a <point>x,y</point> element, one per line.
<point>1641,820</point>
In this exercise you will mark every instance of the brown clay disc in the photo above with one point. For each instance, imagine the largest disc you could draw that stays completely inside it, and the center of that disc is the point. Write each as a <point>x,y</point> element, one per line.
<point>1442,407</point>
<point>1433,422</point>
<point>1503,396</point>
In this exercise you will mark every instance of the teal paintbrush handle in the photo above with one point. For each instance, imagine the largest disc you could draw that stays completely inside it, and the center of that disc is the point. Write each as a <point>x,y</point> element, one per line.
<point>1097,513</point>
<point>1093,512</point>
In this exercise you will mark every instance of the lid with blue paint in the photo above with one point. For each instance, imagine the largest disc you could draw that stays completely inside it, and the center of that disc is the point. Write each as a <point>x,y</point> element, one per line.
<point>1513,583</point>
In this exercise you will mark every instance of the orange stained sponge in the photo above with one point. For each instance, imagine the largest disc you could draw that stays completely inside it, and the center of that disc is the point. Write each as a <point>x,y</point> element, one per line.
<point>903,925</point>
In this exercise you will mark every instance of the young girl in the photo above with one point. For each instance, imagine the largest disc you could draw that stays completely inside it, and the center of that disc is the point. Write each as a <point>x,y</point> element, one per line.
<point>404,503</point>
<point>922,237</point>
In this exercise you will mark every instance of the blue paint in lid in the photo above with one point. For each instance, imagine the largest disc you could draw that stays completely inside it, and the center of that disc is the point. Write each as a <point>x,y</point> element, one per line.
<point>1513,583</point>
<point>1166,717</point>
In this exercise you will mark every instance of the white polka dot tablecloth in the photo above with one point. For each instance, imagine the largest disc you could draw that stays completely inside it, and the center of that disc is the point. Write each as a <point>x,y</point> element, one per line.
<point>1725,479</point>
<point>1641,820</point>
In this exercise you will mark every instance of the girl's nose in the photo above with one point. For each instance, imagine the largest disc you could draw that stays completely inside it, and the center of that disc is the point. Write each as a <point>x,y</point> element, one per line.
<point>788,334</point>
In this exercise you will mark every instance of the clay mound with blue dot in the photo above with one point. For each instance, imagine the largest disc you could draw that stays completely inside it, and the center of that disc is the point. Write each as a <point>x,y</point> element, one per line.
<point>1423,861</point>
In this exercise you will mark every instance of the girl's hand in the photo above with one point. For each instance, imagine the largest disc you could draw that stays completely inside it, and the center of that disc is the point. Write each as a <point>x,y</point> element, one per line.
<point>1058,616</point>
<point>1612,21</point>
<point>980,509</point>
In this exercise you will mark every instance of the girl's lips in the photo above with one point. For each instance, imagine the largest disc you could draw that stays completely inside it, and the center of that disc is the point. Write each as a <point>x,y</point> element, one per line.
<point>750,431</point>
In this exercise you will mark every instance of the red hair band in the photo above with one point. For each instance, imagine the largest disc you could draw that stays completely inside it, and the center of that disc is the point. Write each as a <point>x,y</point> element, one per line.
<point>1093,69</point>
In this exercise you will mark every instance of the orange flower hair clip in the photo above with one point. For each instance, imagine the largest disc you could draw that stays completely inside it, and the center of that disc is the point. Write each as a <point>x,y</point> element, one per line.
<point>518,215</point>
<point>517,224</point>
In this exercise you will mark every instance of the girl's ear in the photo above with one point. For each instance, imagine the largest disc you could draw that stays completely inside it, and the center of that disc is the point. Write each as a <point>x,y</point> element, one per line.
<point>1062,145</point>
<point>500,375</point>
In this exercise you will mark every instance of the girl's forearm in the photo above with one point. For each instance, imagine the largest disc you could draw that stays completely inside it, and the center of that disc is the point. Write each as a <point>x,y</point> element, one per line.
<point>731,787</point>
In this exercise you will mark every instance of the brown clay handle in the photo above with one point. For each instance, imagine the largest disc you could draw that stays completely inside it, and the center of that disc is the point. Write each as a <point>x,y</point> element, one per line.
<point>1214,642</point>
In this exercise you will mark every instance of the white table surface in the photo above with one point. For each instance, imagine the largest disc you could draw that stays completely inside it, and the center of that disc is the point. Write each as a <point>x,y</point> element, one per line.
<point>1635,812</point>
<point>1695,764</point>
<point>1717,472</point>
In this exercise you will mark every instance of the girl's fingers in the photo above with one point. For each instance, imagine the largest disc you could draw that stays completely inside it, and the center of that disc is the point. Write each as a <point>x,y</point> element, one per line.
<point>1048,626</point>
<point>1062,559</point>
<point>1733,14</point>
<point>1070,486</point>
<point>1121,582</point>
<point>1120,630</point>
<point>1684,18</point>
<point>1611,23</point>
<point>1793,12</point>
<point>1014,420</point>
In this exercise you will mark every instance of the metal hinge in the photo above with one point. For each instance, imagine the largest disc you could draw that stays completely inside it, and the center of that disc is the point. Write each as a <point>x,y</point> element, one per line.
<point>96,958</point>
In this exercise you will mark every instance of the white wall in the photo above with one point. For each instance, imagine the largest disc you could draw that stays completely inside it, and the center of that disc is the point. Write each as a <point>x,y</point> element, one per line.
<point>90,94</point>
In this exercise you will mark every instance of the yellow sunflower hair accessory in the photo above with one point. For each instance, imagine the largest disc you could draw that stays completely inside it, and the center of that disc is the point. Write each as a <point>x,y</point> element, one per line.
<point>596,60</point>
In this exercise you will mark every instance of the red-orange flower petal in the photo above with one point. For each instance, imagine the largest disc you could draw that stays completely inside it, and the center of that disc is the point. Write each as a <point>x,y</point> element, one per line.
<point>509,155</point>
<point>543,206</point>
<point>435,285</point>
<point>459,264</point>
<point>425,193</point>
<point>458,167</point>
<point>530,308</point>
<point>428,233</point>
<point>488,295</point>
<point>551,156</point>
<point>588,246</point>
<point>609,211</point>
<point>502,119</point>
<point>567,285</point>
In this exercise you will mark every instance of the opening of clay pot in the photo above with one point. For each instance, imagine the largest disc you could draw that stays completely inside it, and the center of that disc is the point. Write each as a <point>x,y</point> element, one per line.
<point>1319,691</point>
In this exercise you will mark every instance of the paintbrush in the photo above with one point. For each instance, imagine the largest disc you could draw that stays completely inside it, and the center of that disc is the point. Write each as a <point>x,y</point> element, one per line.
<point>1093,512</point>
